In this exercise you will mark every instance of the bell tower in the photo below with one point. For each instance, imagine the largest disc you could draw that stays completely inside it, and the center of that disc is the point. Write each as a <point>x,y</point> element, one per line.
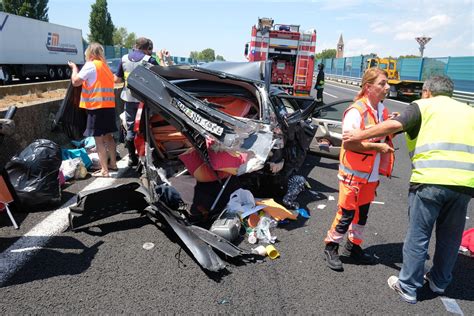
<point>340,48</point>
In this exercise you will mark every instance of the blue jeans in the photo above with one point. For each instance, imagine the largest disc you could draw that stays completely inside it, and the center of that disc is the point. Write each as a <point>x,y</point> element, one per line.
<point>429,205</point>
<point>131,109</point>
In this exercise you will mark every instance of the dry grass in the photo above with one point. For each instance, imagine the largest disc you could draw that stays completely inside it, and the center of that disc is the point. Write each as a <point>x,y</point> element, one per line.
<point>22,100</point>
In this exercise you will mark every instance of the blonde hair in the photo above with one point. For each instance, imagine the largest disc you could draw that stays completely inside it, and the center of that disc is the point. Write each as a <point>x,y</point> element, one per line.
<point>369,77</point>
<point>95,51</point>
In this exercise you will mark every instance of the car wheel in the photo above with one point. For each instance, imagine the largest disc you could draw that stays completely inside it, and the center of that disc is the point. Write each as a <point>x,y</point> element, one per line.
<point>51,73</point>
<point>60,72</point>
<point>7,76</point>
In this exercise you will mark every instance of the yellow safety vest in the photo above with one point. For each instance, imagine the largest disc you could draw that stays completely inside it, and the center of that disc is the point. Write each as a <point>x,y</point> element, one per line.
<point>443,151</point>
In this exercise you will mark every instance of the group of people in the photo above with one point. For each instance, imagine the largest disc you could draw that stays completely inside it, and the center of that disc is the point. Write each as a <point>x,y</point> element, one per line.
<point>98,98</point>
<point>440,140</point>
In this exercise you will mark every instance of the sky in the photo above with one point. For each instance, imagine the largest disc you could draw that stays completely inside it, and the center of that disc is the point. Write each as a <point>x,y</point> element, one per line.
<point>387,28</point>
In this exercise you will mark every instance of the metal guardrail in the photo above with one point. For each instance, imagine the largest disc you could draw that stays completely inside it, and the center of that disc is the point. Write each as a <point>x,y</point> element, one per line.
<point>463,96</point>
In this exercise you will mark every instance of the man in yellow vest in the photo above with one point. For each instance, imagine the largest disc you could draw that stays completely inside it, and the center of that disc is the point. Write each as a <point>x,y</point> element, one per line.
<point>140,55</point>
<point>440,141</point>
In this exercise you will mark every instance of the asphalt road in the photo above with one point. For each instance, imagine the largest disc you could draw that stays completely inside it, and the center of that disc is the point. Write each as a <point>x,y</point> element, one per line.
<point>106,270</point>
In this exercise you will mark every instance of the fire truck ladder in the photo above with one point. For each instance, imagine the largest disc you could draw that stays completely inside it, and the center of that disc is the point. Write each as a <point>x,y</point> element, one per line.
<point>301,67</point>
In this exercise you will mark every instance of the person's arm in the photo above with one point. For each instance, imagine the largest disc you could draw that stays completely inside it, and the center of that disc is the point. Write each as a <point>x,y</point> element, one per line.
<point>381,129</point>
<point>118,76</point>
<point>366,146</point>
<point>117,79</point>
<point>352,120</point>
<point>75,79</point>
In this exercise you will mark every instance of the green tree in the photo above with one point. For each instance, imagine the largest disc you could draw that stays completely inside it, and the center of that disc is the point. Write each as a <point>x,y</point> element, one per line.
<point>119,36</point>
<point>100,24</point>
<point>35,9</point>
<point>326,53</point>
<point>130,40</point>
<point>219,57</point>
<point>207,55</point>
<point>123,38</point>
<point>1,5</point>
<point>194,55</point>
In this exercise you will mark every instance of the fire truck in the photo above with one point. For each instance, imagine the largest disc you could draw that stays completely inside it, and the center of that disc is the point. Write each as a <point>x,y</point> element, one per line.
<point>290,50</point>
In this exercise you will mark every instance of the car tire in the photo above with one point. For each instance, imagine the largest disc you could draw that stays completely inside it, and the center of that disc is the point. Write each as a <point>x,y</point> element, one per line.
<point>7,75</point>
<point>51,73</point>
<point>60,72</point>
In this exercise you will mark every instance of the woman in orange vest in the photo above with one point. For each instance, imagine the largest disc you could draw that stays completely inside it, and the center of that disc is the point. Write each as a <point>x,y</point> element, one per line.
<point>98,98</point>
<point>360,164</point>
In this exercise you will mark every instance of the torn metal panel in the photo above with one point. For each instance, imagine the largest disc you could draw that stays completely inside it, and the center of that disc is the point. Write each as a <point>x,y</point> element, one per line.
<point>201,251</point>
<point>200,123</point>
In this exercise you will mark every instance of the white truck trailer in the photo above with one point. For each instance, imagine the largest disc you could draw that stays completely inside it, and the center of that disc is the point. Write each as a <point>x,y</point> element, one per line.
<point>32,48</point>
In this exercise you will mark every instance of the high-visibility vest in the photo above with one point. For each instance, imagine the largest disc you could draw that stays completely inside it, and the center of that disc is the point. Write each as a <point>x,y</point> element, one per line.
<point>128,66</point>
<point>443,151</point>
<point>356,167</point>
<point>100,94</point>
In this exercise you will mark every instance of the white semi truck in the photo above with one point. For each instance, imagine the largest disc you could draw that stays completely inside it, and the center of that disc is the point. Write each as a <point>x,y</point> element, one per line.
<point>32,48</point>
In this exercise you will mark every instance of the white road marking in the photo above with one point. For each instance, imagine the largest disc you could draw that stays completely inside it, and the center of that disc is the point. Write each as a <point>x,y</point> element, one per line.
<point>451,305</point>
<point>341,87</point>
<point>13,258</point>
<point>357,90</point>
<point>377,202</point>
<point>330,95</point>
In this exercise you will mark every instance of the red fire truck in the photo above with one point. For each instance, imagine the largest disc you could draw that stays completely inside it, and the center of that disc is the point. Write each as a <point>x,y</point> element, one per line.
<point>291,50</point>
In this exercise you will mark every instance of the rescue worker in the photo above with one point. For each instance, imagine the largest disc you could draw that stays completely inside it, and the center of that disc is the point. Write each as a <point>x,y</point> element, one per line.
<point>98,98</point>
<point>439,132</point>
<point>360,164</point>
<point>319,86</point>
<point>141,54</point>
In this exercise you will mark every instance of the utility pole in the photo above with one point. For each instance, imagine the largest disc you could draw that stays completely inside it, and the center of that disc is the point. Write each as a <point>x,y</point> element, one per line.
<point>422,40</point>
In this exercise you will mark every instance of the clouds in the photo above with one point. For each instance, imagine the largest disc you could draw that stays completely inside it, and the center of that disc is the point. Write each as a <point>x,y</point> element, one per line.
<point>357,46</point>
<point>408,30</point>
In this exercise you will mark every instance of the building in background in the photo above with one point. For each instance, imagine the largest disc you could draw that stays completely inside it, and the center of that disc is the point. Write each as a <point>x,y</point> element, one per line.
<point>340,48</point>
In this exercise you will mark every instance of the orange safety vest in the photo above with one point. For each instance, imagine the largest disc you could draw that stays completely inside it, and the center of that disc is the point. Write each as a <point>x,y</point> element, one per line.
<point>100,94</point>
<point>356,167</point>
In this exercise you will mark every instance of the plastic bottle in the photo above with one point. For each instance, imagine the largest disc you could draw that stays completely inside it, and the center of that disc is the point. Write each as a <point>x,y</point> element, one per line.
<point>252,239</point>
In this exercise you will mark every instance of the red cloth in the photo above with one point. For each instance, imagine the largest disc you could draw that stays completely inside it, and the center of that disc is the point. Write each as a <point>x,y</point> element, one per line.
<point>468,240</point>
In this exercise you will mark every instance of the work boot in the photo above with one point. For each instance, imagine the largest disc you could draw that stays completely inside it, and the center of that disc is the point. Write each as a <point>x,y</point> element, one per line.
<point>332,257</point>
<point>357,253</point>
<point>132,156</point>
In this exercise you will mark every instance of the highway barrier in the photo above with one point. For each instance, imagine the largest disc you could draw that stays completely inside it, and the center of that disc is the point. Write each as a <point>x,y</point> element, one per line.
<point>463,96</point>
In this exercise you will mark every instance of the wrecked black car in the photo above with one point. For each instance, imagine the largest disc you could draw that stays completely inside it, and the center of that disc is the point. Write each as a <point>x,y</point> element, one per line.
<point>205,131</point>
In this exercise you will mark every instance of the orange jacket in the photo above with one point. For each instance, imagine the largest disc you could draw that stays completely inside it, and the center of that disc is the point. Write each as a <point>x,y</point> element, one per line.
<point>357,166</point>
<point>101,94</point>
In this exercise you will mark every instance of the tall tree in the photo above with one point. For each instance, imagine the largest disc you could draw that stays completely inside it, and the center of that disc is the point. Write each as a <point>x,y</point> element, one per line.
<point>100,24</point>
<point>207,54</point>
<point>123,38</point>
<point>194,55</point>
<point>35,9</point>
<point>326,53</point>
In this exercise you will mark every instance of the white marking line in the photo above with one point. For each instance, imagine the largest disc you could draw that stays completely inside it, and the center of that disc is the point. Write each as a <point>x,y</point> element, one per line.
<point>338,86</point>
<point>13,258</point>
<point>331,95</point>
<point>344,88</point>
<point>451,305</point>
<point>392,100</point>
<point>377,202</point>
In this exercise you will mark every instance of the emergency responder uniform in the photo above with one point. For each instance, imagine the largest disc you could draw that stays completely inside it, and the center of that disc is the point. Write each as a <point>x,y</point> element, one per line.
<point>320,83</point>
<point>355,191</point>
